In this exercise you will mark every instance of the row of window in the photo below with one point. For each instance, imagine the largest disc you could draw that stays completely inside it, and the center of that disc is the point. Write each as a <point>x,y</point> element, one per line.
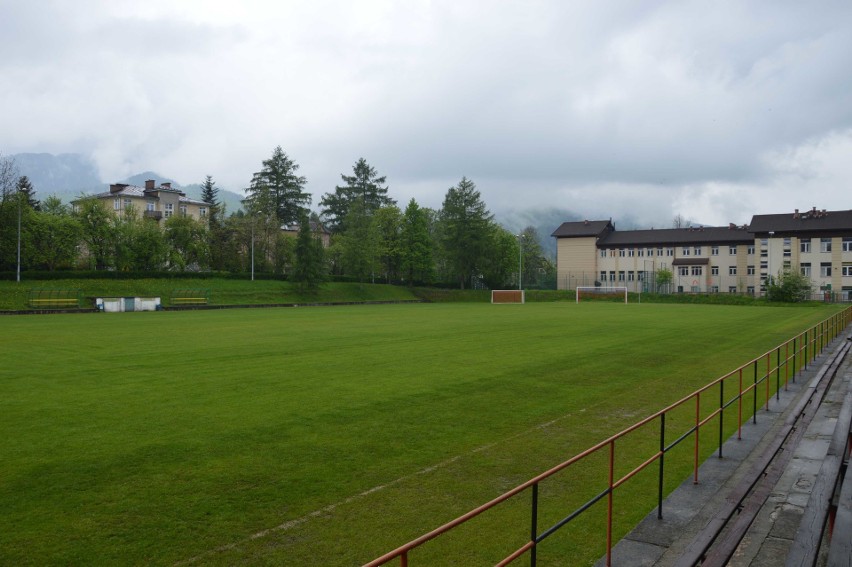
<point>804,246</point>
<point>150,206</point>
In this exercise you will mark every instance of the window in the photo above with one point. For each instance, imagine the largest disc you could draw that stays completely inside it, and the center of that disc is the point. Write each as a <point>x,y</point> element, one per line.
<point>683,271</point>
<point>183,210</point>
<point>847,244</point>
<point>631,252</point>
<point>825,269</point>
<point>669,251</point>
<point>825,245</point>
<point>714,250</point>
<point>603,252</point>
<point>698,250</point>
<point>684,251</point>
<point>805,245</point>
<point>603,275</point>
<point>764,265</point>
<point>732,250</point>
<point>732,270</point>
<point>659,251</point>
<point>149,206</point>
<point>612,253</point>
<point>714,270</point>
<point>621,252</point>
<point>750,290</point>
<point>750,250</point>
<point>764,242</point>
<point>641,275</point>
<point>127,203</point>
<point>640,252</point>
<point>631,276</point>
<point>116,204</point>
<point>202,211</point>
<point>621,275</point>
<point>169,210</point>
<point>714,289</point>
<point>612,275</point>
<point>846,270</point>
<point>750,270</point>
<point>806,269</point>
<point>732,289</point>
<point>787,242</point>
<point>696,270</point>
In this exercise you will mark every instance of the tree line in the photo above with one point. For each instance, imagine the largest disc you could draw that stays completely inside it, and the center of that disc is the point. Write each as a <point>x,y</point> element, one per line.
<point>371,237</point>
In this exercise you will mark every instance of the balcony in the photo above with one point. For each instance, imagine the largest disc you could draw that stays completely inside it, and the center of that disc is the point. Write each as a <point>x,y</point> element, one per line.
<point>156,215</point>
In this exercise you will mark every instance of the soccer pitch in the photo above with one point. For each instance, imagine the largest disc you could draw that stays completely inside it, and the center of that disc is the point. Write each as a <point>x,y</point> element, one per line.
<point>325,436</point>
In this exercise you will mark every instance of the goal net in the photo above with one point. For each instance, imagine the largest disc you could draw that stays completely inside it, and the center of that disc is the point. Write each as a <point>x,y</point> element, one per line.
<point>590,292</point>
<point>507,296</point>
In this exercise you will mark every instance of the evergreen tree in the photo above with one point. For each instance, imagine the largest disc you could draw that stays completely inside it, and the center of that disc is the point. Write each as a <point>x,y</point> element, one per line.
<point>210,193</point>
<point>277,191</point>
<point>25,187</point>
<point>534,265</point>
<point>465,234</point>
<point>365,184</point>
<point>309,269</point>
<point>416,245</point>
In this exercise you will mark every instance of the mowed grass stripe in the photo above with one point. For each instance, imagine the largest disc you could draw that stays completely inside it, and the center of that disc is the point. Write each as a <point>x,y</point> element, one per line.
<point>154,437</point>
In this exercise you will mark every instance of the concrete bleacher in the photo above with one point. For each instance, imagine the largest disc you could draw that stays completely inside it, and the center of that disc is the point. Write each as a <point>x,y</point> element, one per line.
<point>799,499</point>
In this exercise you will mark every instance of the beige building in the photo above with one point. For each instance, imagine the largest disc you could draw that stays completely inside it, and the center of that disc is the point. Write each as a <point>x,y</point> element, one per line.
<point>732,259</point>
<point>152,201</point>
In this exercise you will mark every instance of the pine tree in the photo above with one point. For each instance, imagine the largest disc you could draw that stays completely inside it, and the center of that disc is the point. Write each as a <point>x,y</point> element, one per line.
<point>465,230</point>
<point>277,191</point>
<point>416,245</point>
<point>365,185</point>
<point>210,194</point>
<point>25,187</point>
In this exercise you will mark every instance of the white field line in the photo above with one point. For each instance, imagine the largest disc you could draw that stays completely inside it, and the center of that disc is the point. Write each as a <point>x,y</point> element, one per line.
<point>290,524</point>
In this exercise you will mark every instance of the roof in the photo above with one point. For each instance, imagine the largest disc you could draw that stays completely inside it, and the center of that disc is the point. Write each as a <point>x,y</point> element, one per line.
<point>809,221</point>
<point>731,234</point>
<point>582,228</point>
<point>315,227</point>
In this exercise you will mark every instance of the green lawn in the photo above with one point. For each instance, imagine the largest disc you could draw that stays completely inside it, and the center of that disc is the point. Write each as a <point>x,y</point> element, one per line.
<point>344,431</point>
<point>14,295</point>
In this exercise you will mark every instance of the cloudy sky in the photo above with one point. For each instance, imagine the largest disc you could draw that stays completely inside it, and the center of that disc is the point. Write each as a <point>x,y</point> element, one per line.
<point>637,111</point>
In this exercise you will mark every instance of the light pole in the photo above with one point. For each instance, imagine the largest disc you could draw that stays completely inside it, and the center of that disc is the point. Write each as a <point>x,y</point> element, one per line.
<point>19,236</point>
<point>520,256</point>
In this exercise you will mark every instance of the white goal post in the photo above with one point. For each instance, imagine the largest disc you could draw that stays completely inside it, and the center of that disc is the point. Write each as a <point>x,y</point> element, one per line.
<point>601,290</point>
<point>507,296</point>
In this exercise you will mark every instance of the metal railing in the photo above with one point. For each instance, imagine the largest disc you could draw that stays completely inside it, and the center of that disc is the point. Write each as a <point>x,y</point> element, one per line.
<point>762,377</point>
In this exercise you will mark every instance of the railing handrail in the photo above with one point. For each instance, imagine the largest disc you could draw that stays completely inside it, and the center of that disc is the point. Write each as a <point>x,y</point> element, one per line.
<point>844,315</point>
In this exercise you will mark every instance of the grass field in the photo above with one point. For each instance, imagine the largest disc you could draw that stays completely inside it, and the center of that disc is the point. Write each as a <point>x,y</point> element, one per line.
<point>327,436</point>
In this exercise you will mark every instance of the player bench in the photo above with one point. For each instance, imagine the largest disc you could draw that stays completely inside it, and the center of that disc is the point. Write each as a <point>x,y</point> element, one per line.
<point>53,298</point>
<point>190,297</point>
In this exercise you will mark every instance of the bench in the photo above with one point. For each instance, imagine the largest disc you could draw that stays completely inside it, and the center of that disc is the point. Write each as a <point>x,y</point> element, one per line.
<point>190,297</point>
<point>53,298</point>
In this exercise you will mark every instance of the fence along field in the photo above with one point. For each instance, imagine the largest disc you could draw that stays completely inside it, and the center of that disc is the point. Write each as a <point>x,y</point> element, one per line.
<point>333,434</point>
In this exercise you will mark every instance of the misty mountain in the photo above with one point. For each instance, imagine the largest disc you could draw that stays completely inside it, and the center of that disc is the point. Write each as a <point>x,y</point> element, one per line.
<point>61,175</point>
<point>545,221</point>
<point>69,175</point>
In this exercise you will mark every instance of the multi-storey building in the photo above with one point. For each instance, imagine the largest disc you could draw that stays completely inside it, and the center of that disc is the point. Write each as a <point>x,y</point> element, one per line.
<point>735,259</point>
<point>152,201</point>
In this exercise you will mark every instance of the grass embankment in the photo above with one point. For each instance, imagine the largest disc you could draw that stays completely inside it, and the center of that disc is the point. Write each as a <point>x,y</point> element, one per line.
<point>345,431</point>
<point>14,296</point>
